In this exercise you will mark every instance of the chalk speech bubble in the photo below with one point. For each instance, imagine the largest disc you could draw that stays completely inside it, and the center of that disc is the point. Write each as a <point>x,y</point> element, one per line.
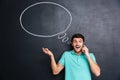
<point>61,34</point>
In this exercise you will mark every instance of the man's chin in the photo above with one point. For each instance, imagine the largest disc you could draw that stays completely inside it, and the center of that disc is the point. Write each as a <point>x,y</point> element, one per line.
<point>77,51</point>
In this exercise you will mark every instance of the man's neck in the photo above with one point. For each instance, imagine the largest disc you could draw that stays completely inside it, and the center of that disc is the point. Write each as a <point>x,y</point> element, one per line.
<point>78,53</point>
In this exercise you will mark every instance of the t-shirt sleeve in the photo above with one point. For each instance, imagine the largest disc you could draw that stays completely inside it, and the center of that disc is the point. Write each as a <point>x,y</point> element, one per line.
<point>62,59</point>
<point>93,57</point>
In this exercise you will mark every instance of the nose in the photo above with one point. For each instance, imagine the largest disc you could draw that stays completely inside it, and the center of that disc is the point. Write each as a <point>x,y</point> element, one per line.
<point>77,43</point>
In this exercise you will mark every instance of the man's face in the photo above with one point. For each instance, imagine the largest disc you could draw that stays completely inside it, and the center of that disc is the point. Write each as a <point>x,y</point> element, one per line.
<point>77,44</point>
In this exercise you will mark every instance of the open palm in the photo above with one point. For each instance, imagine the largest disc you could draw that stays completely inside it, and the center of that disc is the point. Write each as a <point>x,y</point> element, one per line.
<point>47,51</point>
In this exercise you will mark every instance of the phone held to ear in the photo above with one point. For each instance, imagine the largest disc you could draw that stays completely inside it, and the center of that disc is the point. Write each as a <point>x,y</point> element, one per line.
<point>83,49</point>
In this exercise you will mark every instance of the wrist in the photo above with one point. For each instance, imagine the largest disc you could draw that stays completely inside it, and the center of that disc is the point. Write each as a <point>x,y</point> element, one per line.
<point>51,56</point>
<point>87,54</point>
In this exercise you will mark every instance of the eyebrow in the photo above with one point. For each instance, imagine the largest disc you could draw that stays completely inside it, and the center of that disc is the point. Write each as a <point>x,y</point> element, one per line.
<point>76,40</point>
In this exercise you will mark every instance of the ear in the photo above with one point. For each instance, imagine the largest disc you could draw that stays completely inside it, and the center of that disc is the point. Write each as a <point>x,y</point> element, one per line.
<point>84,44</point>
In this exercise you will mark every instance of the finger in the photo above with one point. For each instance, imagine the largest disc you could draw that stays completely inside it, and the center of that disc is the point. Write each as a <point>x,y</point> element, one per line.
<point>46,49</point>
<point>43,49</point>
<point>84,45</point>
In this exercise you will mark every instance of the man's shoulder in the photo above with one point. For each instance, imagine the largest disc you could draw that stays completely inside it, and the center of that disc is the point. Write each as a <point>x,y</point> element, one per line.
<point>91,54</point>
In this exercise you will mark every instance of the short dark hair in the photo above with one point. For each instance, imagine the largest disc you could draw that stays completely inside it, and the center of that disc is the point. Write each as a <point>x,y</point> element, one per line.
<point>78,36</point>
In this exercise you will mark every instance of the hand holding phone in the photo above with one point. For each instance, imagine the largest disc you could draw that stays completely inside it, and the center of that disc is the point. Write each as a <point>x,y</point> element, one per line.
<point>85,49</point>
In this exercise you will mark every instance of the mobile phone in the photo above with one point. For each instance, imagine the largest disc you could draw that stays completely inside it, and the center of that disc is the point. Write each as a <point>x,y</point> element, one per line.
<point>83,47</point>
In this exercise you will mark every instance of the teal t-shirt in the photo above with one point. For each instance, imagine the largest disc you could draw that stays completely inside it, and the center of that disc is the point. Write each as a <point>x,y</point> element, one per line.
<point>76,66</point>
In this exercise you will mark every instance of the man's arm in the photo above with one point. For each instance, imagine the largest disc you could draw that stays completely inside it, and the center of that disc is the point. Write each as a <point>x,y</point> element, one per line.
<point>56,68</point>
<point>93,66</point>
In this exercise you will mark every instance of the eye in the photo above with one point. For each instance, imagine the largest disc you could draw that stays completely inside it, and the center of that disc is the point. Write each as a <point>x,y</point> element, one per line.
<point>80,41</point>
<point>74,41</point>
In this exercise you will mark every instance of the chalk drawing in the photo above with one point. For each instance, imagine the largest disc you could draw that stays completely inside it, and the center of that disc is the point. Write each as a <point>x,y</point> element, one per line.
<point>61,35</point>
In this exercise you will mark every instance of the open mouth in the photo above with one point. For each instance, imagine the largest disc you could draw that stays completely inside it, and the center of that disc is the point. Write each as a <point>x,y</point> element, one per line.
<point>77,47</point>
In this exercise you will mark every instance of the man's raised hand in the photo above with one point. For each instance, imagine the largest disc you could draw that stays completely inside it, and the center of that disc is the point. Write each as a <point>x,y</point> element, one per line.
<point>47,51</point>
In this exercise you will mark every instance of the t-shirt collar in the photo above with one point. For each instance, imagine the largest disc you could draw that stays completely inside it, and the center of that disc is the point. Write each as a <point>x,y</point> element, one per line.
<point>74,53</point>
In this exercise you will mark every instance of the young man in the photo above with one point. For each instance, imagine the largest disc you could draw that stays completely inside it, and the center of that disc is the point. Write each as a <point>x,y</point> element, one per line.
<point>78,63</point>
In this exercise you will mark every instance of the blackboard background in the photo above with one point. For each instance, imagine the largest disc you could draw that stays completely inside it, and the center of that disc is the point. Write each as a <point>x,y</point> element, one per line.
<point>21,57</point>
